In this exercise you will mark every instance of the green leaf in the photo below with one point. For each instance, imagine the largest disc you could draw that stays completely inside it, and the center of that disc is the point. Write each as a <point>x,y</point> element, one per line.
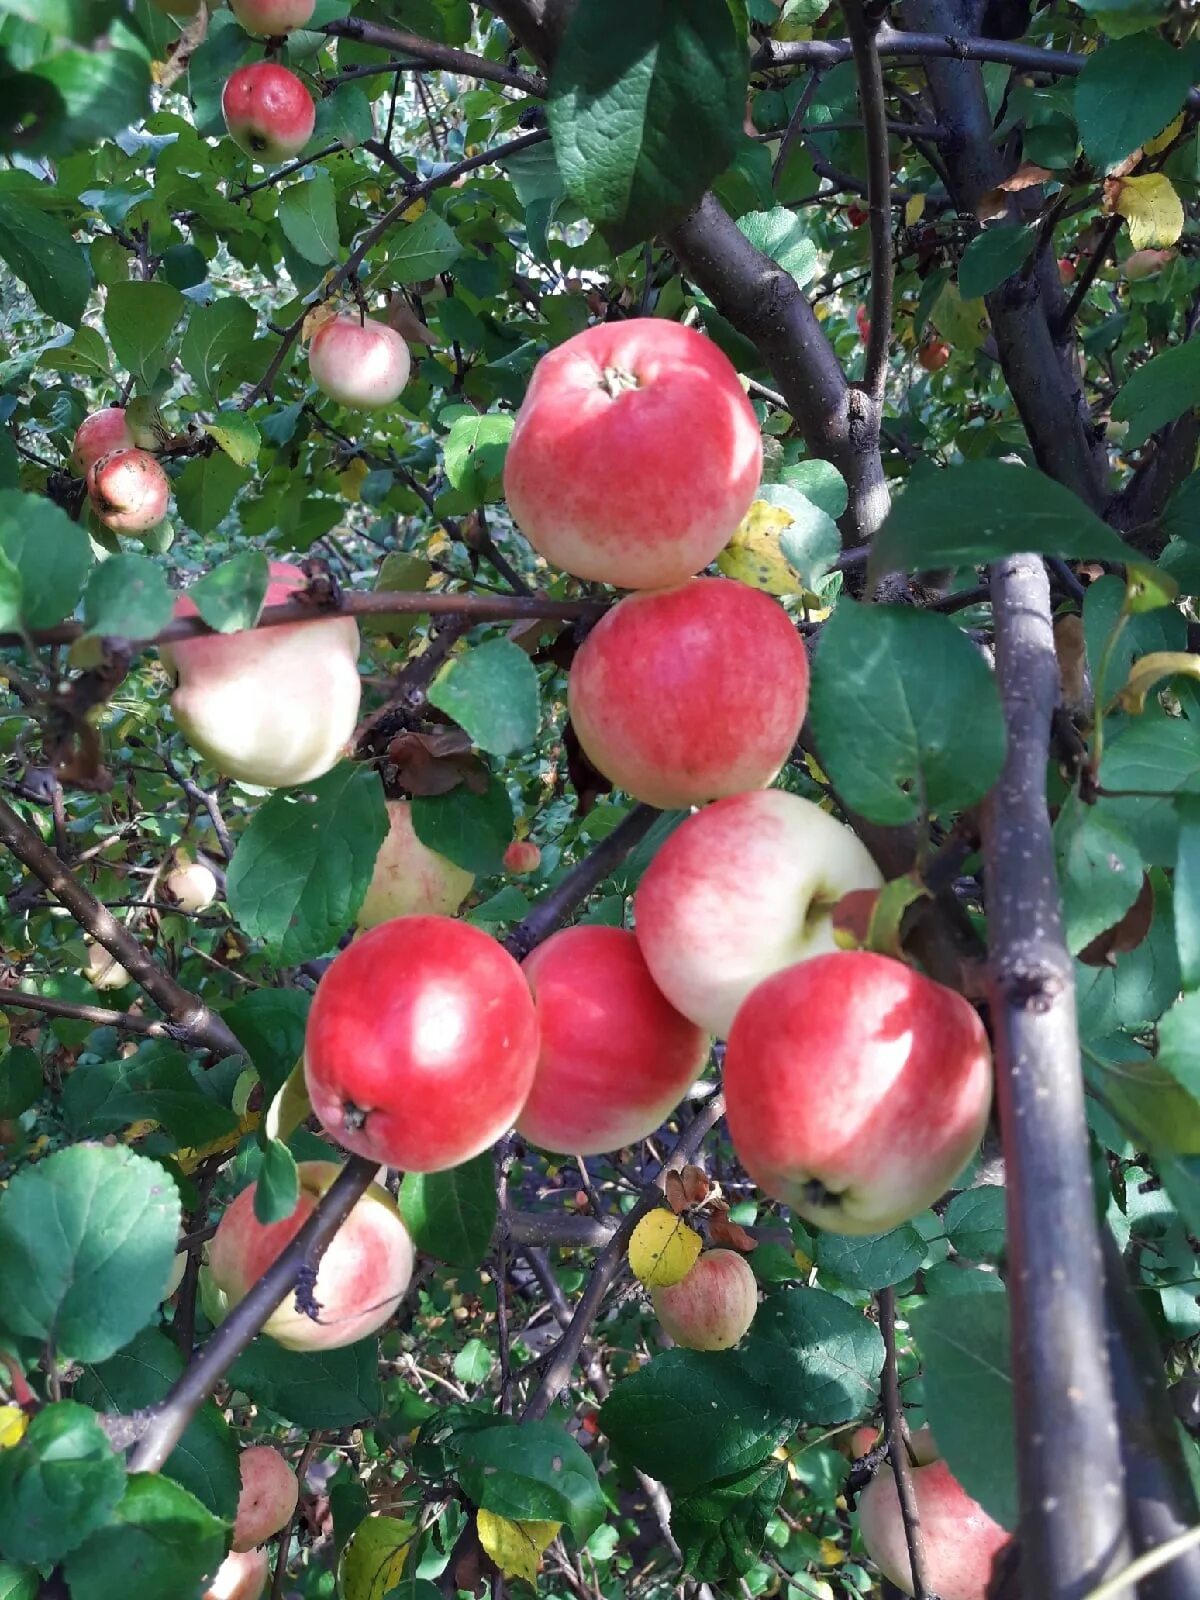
<point>784,237</point>
<point>51,554</point>
<point>646,105</point>
<point>86,356</point>
<point>984,510</point>
<point>532,1472</point>
<point>473,1362</point>
<point>139,319</point>
<point>1142,984</point>
<point>811,542</point>
<point>59,1483</point>
<point>1179,1042</point>
<point>975,1222</point>
<point>474,452</point>
<point>308,217</point>
<point>43,255</point>
<point>721,1529</point>
<point>871,1262</point>
<point>905,713</point>
<point>1162,389</point>
<point>301,868</point>
<point>491,692</point>
<point>128,597</point>
<point>161,1543</point>
<point>1099,869</point>
<point>992,256</point>
<point>157,1084</point>
<point>206,489</point>
<point>231,596</point>
<point>815,1355</point>
<point>1187,891</point>
<point>101,90</point>
<point>1128,92</point>
<point>18,1583</point>
<point>237,436</point>
<point>422,249</point>
<point>21,1081</point>
<point>270,1023</point>
<point>278,1187</point>
<point>90,1235</point>
<point>205,1461</point>
<point>215,334</point>
<point>451,1215</point>
<point>312,1388</point>
<point>1160,757</point>
<point>964,1343</point>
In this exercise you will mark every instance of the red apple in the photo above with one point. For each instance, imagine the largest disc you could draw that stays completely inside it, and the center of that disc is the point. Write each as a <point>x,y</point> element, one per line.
<point>635,454</point>
<point>271,706</point>
<point>268,111</point>
<point>863,323</point>
<point>422,1044</point>
<point>100,435</point>
<point>410,879</point>
<point>616,1057</point>
<point>856,1089</point>
<point>358,361</point>
<point>241,1576</point>
<point>934,354</point>
<point>687,694</point>
<point>268,1496</point>
<point>360,1280</point>
<point>740,890</point>
<point>267,19</point>
<point>857,215</point>
<point>960,1538</point>
<point>194,886</point>
<point>1066,271</point>
<point>522,857</point>
<point>129,490</point>
<point>712,1307</point>
<point>1143,264</point>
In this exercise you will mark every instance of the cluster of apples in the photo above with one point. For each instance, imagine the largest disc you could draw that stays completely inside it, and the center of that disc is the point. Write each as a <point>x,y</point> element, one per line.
<point>126,483</point>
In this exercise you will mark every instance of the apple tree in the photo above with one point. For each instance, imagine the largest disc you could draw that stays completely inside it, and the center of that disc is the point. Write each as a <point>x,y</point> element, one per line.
<point>601,939</point>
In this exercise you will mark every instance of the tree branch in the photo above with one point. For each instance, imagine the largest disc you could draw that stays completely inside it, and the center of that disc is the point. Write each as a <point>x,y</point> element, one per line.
<point>863,32</point>
<point>1072,1523</point>
<point>200,1024</point>
<point>444,56</point>
<point>99,1016</point>
<point>897,1437</point>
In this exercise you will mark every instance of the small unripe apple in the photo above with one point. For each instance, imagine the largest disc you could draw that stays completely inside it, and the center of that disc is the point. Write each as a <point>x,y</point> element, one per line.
<point>361,1277</point>
<point>522,857</point>
<point>268,111</point>
<point>683,695</point>
<point>616,1057</point>
<point>358,361</point>
<point>193,886</point>
<point>1066,271</point>
<point>241,1576</point>
<point>1143,264</point>
<point>129,490</point>
<point>100,435</point>
<point>270,706</point>
<point>268,1496</point>
<point>712,1307</point>
<point>960,1538</point>
<point>421,1044</point>
<point>267,19</point>
<point>934,354</point>
<point>410,879</point>
<point>103,971</point>
<point>856,1089</point>
<point>635,454</point>
<point>742,889</point>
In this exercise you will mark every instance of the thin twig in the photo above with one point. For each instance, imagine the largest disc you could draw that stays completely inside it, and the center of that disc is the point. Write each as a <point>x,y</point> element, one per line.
<point>879,194</point>
<point>897,1434</point>
<point>461,62</point>
<point>285,1533</point>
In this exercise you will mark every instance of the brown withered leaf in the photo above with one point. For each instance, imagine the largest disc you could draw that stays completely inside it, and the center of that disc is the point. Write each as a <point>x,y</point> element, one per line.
<point>75,758</point>
<point>730,1235</point>
<point>401,316</point>
<point>851,917</point>
<point>676,1197</point>
<point>435,763</point>
<point>1125,935</point>
<point>995,202</point>
<point>1071,650</point>
<point>696,1184</point>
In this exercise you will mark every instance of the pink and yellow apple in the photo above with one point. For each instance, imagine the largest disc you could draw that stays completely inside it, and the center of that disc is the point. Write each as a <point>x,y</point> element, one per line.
<point>129,490</point>
<point>360,1280</point>
<point>410,879</point>
<point>241,1576</point>
<point>267,19</point>
<point>960,1539</point>
<point>856,1089</point>
<point>269,706</point>
<point>103,971</point>
<point>713,1306</point>
<point>616,1057</point>
<point>267,1499</point>
<point>422,1043</point>
<point>101,434</point>
<point>684,695</point>
<point>194,886</point>
<point>522,857</point>
<point>358,361</point>
<point>268,111</point>
<point>740,890</point>
<point>635,455</point>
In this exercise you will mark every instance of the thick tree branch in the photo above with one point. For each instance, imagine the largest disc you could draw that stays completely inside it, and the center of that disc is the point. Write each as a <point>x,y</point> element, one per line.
<point>99,1016</point>
<point>1072,1522</point>
<point>863,31</point>
<point>444,56</point>
<point>200,1024</point>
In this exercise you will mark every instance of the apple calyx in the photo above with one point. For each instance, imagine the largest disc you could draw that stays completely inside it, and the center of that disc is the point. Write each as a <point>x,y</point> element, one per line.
<point>616,381</point>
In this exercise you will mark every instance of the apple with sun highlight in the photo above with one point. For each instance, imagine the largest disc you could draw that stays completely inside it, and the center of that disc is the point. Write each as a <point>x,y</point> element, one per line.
<point>684,695</point>
<point>359,361</point>
<point>241,1576</point>
<point>856,1089</point>
<point>100,435</point>
<point>409,878</point>
<point>743,888</point>
<point>268,111</point>
<point>193,886</point>
<point>713,1306</point>
<point>129,490</point>
<point>616,1057</point>
<point>635,454</point>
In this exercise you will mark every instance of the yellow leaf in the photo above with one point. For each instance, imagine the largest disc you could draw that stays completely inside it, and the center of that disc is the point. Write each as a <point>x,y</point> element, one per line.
<point>413,212</point>
<point>831,1553</point>
<point>754,557</point>
<point>189,1160</point>
<point>290,1107</point>
<point>1151,207</point>
<point>13,1423</point>
<point>914,210</point>
<point>515,1547</point>
<point>1166,137</point>
<point>1152,669</point>
<point>373,1561</point>
<point>663,1249</point>
<point>961,322</point>
<point>351,480</point>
